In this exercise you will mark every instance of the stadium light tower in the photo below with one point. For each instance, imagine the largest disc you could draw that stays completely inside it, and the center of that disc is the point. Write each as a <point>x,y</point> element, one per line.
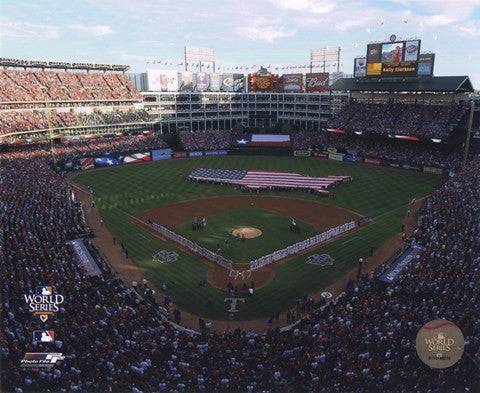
<point>469,131</point>
<point>50,132</point>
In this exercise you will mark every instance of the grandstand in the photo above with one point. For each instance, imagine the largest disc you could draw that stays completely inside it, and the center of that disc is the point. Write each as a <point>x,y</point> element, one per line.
<point>120,335</point>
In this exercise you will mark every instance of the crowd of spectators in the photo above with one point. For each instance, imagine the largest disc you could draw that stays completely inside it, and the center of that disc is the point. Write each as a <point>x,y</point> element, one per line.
<point>424,121</point>
<point>31,120</point>
<point>18,85</point>
<point>391,149</point>
<point>116,116</point>
<point>206,140</point>
<point>115,338</point>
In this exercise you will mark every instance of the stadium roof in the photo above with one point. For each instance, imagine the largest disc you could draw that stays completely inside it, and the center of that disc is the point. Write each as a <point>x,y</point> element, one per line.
<point>61,65</point>
<point>440,84</point>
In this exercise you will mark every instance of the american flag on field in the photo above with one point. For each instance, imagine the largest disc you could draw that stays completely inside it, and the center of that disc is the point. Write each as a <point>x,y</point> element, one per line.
<point>258,179</point>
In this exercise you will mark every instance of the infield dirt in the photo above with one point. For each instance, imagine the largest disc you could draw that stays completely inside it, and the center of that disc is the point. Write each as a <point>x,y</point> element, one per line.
<point>321,215</point>
<point>129,271</point>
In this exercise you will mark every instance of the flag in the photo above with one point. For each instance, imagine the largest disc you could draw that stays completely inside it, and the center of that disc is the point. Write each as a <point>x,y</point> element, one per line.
<point>262,140</point>
<point>257,179</point>
<point>86,163</point>
<point>137,157</point>
<point>107,161</point>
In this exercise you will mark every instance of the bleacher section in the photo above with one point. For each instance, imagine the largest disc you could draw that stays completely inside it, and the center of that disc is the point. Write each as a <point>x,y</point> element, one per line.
<point>423,121</point>
<point>20,89</point>
<point>29,120</point>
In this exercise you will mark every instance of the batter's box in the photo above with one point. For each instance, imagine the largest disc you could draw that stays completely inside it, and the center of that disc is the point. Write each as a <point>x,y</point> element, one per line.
<point>320,259</point>
<point>165,256</point>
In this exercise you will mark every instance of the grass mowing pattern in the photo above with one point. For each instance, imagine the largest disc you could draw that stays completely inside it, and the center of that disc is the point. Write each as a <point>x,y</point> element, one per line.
<point>382,193</point>
<point>274,227</point>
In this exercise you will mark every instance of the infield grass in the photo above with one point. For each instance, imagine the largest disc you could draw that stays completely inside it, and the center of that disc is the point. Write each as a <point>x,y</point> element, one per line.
<point>274,227</point>
<point>382,193</point>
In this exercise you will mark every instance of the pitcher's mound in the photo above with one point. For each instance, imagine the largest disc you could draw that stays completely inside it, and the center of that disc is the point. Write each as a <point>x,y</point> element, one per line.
<point>249,233</point>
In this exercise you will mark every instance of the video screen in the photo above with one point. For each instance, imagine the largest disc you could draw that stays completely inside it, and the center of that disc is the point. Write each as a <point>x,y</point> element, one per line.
<point>392,53</point>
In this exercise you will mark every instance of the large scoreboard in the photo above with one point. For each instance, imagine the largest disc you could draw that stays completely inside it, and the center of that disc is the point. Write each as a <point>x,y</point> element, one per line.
<point>395,58</point>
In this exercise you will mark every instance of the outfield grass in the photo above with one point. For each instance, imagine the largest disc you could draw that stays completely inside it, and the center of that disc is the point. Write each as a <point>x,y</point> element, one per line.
<point>382,193</point>
<point>274,227</point>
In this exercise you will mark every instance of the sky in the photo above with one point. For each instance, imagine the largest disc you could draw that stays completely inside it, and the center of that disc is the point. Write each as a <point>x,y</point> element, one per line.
<point>242,32</point>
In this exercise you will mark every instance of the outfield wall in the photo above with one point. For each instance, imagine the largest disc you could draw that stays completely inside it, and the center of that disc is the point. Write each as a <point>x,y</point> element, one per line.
<point>330,153</point>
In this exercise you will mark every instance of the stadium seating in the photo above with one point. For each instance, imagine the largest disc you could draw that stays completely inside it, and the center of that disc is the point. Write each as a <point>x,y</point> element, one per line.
<point>115,337</point>
<point>424,121</point>
<point>17,86</point>
<point>405,151</point>
<point>206,140</point>
<point>29,120</point>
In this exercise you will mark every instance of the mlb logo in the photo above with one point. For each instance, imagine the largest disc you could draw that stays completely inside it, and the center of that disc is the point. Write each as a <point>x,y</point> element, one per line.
<point>43,291</point>
<point>43,336</point>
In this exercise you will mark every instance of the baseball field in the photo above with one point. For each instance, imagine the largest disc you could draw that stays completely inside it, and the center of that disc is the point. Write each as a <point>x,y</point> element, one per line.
<point>127,196</point>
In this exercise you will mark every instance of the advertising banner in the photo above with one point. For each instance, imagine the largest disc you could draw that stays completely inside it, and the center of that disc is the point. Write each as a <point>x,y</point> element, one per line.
<point>291,83</point>
<point>161,154</point>
<point>260,83</point>
<point>216,152</point>
<point>433,170</point>
<point>186,82</point>
<point>195,153</point>
<point>372,161</point>
<point>162,80</point>
<point>411,167</point>
<point>353,158</point>
<point>201,81</point>
<point>392,164</point>
<point>425,64</point>
<point>320,154</point>
<point>233,82</point>
<point>215,82</point>
<point>400,263</point>
<point>405,68</point>
<point>179,154</point>
<point>85,258</point>
<point>316,82</point>
<point>335,156</point>
<point>412,49</point>
<point>360,67</point>
<point>374,55</point>
<point>302,153</point>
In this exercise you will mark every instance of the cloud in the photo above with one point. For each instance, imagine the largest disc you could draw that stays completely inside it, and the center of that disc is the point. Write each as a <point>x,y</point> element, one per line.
<point>312,6</point>
<point>26,30</point>
<point>439,20</point>
<point>97,31</point>
<point>469,29</point>
<point>261,30</point>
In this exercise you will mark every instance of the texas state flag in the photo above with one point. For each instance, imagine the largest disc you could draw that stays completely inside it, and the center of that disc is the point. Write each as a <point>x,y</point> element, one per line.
<point>242,140</point>
<point>270,140</point>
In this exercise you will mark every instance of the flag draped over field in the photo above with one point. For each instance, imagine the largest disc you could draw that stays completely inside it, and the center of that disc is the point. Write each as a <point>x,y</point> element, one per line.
<point>258,179</point>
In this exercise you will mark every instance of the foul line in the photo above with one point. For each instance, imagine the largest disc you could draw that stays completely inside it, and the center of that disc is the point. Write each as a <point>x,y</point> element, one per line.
<point>349,240</point>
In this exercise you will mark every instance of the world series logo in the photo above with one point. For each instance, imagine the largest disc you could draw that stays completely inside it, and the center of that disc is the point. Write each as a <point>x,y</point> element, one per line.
<point>44,303</point>
<point>440,344</point>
